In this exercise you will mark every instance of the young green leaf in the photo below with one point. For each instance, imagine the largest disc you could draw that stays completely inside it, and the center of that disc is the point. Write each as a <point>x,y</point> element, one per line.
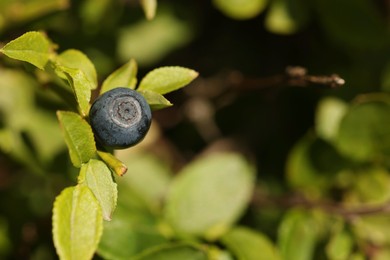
<point>149,7</point>
<point>284,18</point>
<point>128,234</point>
<point>97,176</point>
<point>167,79</point>
<point>374,228</point>
<point>114,163</point>
<point>78,137</point>
<point>200,200</point>
<point>155,100</point>
<point>364,131</point>
<point>125,76</point>
<point>32,47</point>
<point>77,223</point>
<point>148,42</point>
<point>80,84</point>
<point>248,244</point>
<point>241,9</point>
<point>75,59</point>
<point>308,169</point>
<point>297,224</point>
<point>340,246</point>
<point>329,113</point>
<point>146,168</point>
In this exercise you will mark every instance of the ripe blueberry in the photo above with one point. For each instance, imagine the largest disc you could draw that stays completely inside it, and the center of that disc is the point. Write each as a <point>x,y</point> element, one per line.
<point>120,118</point>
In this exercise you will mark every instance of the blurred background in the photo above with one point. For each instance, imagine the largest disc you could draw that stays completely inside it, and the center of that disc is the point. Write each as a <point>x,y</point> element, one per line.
<point>239,48</point>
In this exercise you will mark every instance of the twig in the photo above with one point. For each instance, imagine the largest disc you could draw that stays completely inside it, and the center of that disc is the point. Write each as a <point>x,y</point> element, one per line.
<point>295,200</point>
<point>293,76</point>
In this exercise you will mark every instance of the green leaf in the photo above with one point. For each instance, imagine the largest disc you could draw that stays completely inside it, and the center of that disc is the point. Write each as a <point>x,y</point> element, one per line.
<point>32,10</point>
<point>16,98</point>
<point>286,16</point>
<point>370,186</point>
<point>32,47</point>
<point>127,234</point>
<point>146,168</point>
<point>93,12</point>
<point>78,137</point>
<point>150,41</point>
<point>247,244</point>
<point>45,135</point>
<point>342,21</point>
<point>115,164</point>
<point>75,59</point>
<point>340,246</point>
<point>173,251</point>
<point>150,7</point>
<point>312,166</point>
<point>200,200</point>
<point>155,100</point>
<point>167,79</point>
<point>374,228</point>
<point>329,114</point>
<point>125,76</point>
<point>364,132</point>
<point>77,223</point>
<point>385,78</point>
<point>97,176</point>
<point>241,9</point>
<point>297,236</point>
<point>81,86</point>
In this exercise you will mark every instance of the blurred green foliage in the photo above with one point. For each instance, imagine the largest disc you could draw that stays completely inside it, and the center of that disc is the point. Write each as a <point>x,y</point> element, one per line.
<point>322,155</point>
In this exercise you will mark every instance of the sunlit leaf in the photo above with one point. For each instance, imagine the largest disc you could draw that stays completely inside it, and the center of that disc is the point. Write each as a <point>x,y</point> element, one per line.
<point>373,228</point>
<point>97,176</point>
<point>15,12</point>
<point>370,186</point>
<point>155,100</point>
<point>144,168</point>
<point>80,84</point>
<point>77,223</point>
<point>286,16</point>
<point>149,7</point>
<point>45,134</point>
<point>78,137</point>
<point>125,76</point>
<point>75,59</point>
<point>330,112</point>
<point>340,246</point>
<point>32,47</point>
<point>167,79</point>
<point>16,98</point>
<point>241,9</point>
<point>200,200</point>
<point>247,244</point>
<point>150,41</point>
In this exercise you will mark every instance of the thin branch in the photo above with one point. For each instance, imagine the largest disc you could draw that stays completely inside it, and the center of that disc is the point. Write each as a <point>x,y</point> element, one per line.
<point>293,76</point>
<point>295,200</point>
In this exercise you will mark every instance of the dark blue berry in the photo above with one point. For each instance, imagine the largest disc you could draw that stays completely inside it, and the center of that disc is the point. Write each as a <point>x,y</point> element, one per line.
<point>120,118</point>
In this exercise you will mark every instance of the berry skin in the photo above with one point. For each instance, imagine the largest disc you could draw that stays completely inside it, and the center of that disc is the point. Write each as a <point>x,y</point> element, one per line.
<point>120,118</point>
